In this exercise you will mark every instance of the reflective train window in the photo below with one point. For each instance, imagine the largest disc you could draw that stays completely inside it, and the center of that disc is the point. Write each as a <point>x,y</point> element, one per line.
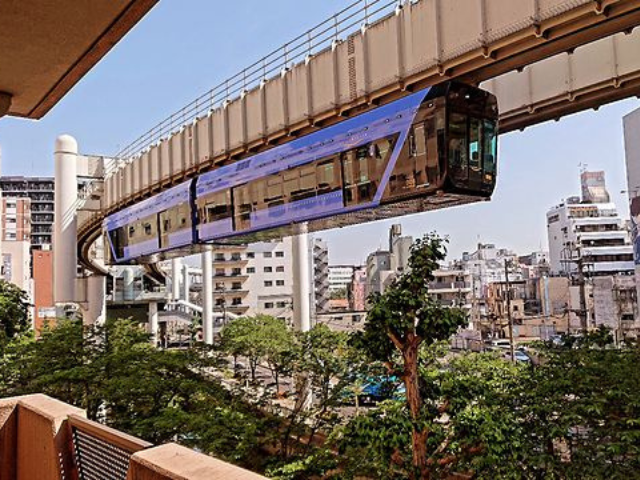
<point>458,160</point>
<point>490,147</point>
<point>217,206</point>
<point>475,134</point>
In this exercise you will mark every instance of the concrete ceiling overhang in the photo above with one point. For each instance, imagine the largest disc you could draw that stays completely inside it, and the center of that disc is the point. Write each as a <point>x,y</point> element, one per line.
<point>47,46</point>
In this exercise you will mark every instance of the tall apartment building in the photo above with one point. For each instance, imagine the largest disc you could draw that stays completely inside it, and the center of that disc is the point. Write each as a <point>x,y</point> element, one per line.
<point>385,265</point>
<point>340,277</point>
<point>357,293</point>
<point>632,153</point>
<point>589,232</point>
<point>255,278</point>
<point>16,219</point>
<point>40,192</point>
<point>44,308</point>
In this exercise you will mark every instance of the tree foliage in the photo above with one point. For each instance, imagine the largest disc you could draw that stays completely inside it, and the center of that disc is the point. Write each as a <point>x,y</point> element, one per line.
<point>403,320</point>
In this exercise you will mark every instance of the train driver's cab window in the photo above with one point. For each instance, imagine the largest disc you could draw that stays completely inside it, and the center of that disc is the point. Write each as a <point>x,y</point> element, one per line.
<point>458,158</point>
<point>490,149</point>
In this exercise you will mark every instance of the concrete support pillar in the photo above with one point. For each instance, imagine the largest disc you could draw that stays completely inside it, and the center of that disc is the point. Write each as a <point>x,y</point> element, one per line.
<point>96,313</point>
<point>207,295</point>
<point>176,264</point>
<point>65,226</point>
<point>186,283</point>
<point>127,279</point>
<point>301,280</point>
<point>153,323</point>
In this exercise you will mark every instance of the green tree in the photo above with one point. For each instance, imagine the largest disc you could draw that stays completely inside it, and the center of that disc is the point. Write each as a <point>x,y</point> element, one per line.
<point>401,321</point>
<point>243,337</point>
<point>278,341</point>
<point>14,311</point>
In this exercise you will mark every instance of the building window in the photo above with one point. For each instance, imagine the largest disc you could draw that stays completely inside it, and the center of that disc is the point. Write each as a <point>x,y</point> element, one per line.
<point>236,271</point>
<point>236,301</point>
<point>268,269</point>
<point>280,269</point>
<point>219,257</point>
<point>251,270</point>
<point>268,283</point>
<point>281,304</point>
<point>251,255</point>
<point>279,254</point>
<point>267,255</point>
<point>219,272</point>
<point>236,286</point>
<point>235,256</point>
<point>280,283</point>
<point>268,305</point>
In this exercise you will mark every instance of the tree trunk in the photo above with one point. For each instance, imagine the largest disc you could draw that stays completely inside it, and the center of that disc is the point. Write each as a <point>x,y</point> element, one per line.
<point>414,402</point>
<point>253,364</point>
<point>277,377</point>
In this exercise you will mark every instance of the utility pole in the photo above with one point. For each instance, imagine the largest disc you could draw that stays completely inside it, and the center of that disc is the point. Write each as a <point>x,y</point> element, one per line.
<point>508,285</point>
<point>583,295</point>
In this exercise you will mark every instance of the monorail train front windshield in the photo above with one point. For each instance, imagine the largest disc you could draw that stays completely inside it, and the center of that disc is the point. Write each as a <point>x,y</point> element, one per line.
<point>473,138</point>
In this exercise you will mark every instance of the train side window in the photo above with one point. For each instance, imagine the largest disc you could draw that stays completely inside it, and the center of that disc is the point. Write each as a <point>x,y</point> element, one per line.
<point>243,207</point>
<point>291,180</point>
<point>274,188</point>
<point>166,225</point>
<point>327,180</point>
<point>148,230</point>
<point>458,160</point>
<point>420,165</point>
<point>307,182</point>
<point>218,206</point>
<point>132,231</point>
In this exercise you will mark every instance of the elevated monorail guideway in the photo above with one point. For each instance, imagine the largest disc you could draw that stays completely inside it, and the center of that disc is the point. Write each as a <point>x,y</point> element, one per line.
<point>372,53</point>
<point>431,149</point>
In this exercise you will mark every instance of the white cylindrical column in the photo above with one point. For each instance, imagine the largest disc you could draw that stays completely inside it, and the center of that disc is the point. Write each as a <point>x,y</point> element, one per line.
<point>96,313</point>
<point>176,265</point>
<point>301,280</point>
<point>153,323</point>
<point>186,283</point>
<point>207,296</point>
<point>128,292</point>
<point>65,224</point>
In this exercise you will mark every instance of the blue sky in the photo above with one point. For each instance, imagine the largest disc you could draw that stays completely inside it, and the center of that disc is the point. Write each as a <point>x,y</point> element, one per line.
<point>181,49</point>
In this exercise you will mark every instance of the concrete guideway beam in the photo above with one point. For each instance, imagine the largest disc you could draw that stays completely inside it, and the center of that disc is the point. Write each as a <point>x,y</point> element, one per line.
<point>595,74</point>
<point>419,46</point>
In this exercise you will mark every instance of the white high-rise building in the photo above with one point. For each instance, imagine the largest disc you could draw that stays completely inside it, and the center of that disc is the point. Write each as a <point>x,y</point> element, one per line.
<point>632,152</point>
<point>590,232</point>
<point>340,277</point>
<point>252,279</point>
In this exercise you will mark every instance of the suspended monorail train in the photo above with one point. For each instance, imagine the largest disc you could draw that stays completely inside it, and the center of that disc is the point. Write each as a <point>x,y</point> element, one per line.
<point>429,150</point>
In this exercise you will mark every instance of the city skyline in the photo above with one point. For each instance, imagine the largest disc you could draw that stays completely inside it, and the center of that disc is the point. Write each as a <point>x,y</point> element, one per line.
<point>538,167</point>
